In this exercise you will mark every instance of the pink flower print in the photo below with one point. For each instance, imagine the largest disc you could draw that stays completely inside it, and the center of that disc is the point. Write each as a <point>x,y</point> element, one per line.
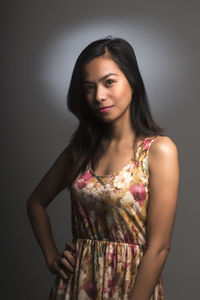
<point>91,289</point>
<point>138,192</point>
<point>136,163</point>
<point>146,144</point>
<point>86,176</point>
<point>81,184</point>
<point>83,179</point>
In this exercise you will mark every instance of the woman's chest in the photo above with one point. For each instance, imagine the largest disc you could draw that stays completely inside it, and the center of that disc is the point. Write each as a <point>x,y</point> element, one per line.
<point>116,157</point>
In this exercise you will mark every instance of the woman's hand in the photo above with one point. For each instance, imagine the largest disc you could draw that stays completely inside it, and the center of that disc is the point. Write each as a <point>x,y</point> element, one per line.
<point>64,262</point>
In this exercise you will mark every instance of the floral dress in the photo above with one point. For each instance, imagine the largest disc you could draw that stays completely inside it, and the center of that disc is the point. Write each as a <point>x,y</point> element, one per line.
<point>109,215</point>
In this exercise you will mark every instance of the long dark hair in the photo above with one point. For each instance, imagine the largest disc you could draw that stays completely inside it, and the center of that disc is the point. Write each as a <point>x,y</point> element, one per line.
<point>85,143</point>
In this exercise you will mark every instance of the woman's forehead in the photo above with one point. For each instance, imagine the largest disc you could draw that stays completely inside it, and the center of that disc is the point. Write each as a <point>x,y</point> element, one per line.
<point>98,68</point>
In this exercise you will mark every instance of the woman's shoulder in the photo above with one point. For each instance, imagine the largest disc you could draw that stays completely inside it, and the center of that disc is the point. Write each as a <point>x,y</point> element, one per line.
<point>163,143</point>
<point>163,148</point>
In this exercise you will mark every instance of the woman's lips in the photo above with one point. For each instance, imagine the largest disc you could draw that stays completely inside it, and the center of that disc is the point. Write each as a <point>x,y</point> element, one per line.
<point>105,109</point>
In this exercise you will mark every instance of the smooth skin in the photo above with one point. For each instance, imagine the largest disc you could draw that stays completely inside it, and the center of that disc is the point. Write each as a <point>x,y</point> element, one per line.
<point>164,178</point>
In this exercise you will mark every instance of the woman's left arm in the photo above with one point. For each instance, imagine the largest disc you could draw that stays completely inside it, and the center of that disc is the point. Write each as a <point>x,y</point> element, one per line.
<point>163,195</point>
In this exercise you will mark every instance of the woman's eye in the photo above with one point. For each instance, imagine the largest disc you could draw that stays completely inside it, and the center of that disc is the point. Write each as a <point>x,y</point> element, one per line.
<point>88,88</point>
<point>109,81</point>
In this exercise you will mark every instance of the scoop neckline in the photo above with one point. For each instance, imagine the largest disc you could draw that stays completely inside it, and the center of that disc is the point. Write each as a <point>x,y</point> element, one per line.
<point>120,170</point>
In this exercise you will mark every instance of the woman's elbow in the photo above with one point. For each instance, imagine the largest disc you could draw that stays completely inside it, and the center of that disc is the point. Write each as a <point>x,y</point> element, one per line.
<point>161,249</point>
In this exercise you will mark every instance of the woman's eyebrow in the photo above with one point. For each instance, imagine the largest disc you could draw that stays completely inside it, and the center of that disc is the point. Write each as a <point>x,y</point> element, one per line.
<point>102,78</point>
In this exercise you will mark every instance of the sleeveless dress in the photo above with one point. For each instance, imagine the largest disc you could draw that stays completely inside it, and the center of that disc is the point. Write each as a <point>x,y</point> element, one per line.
<point>109,216</point>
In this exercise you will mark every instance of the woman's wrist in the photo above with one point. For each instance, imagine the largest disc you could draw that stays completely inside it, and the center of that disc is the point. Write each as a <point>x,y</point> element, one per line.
<point>51,257</point>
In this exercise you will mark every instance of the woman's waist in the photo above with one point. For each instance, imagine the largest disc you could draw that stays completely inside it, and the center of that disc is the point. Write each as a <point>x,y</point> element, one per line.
<point>109,241</point>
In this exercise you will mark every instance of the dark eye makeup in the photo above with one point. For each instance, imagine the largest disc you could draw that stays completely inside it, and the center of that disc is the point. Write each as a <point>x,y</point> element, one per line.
<point>89,87</point>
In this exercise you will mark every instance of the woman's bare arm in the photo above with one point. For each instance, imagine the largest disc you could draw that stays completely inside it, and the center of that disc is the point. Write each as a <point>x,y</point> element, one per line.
<point>50,185</point>
<point>164,184</point>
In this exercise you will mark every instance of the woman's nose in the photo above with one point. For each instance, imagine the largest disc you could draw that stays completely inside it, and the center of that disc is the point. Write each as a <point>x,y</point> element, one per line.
<point>100,94</point>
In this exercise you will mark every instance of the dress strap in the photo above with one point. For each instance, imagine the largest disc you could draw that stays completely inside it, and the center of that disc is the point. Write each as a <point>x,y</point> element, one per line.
<point>142,155</point>
<point>144,147</point>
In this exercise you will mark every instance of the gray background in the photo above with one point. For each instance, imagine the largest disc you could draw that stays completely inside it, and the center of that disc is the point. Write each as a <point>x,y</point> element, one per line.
<point>41,42</point>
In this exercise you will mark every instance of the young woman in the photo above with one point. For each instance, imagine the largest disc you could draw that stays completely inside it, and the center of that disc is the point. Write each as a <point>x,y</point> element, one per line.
<point>123,177</point>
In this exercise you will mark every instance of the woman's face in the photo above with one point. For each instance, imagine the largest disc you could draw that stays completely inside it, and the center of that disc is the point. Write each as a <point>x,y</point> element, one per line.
<point>105,85</point>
